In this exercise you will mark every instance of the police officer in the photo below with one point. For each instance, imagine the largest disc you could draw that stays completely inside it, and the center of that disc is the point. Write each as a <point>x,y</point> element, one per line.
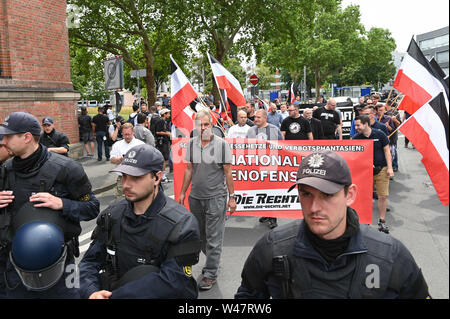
<point>329,254</point>
<point>44,186</point>
<point>145,244</point>
<point>55,141</point>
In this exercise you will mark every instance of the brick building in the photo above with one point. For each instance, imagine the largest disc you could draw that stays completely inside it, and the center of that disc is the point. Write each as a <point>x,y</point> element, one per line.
<point>35,63</point>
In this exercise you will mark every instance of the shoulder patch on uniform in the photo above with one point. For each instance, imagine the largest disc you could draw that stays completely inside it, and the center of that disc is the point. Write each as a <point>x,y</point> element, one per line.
<point>187,271</point>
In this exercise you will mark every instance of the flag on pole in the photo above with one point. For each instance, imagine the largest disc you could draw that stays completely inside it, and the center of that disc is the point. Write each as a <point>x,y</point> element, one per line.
<point>182,96</point>
<point>291,94</point>
<point>417,80</point>
<point>428,130</point>
<point>438,70</point>
<point>226,81</point>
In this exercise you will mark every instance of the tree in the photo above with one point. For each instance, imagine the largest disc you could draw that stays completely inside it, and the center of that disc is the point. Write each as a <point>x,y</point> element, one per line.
<point>228,28</point>
<point>143,32</point>
<point>318,34</point>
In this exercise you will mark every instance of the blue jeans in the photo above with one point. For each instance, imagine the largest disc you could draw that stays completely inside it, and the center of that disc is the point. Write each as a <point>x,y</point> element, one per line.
<point>99,137</point>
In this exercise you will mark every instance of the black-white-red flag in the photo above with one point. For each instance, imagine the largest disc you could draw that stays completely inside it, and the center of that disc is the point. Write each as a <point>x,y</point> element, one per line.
<point>428,130</point>
<point>226,81</point>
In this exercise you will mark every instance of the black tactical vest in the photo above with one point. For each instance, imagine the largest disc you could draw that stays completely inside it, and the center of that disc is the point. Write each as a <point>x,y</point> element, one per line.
<point>380,252</point>
<point>131,246</point>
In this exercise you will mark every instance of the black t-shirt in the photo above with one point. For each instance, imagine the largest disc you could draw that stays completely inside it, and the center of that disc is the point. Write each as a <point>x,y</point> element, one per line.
<point>101,122</point>
<point>296,128</point>
<point>330,119</point>
<point>380,140</point>
<point>162,126</point>
<point>84,121</point>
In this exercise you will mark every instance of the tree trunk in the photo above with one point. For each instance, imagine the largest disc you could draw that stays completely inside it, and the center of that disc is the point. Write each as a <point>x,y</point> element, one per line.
<point>150,82</point>
<point>317,82</point>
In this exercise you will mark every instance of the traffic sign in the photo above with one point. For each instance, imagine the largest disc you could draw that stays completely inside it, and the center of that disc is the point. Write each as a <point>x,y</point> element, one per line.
<point>254,79</point>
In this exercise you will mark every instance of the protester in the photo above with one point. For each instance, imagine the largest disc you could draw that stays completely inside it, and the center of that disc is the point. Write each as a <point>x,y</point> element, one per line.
<point>262,129</point>
<point>283,111</point>
<point>251,111</point>
<point>141,132</point>
<point>132,118</point>
<point>296,127</point>
<point>382,164</point>
<point>316,125</point>
<point>208,172</point>
<point>370,112</point>
<point>56,142</point>
<point>273,117</point>
<point>328,254</point>
<point>100,123</point>
<point>265,131</point>
<point>331,122</point>
<point>393,139</point>
<point>86,132</point>
<point>239,130</point>
<point>163,139</point>
<point>119,149</point>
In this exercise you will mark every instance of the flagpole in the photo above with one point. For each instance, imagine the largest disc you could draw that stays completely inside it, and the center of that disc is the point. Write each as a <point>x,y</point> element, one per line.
<point>389,96</point>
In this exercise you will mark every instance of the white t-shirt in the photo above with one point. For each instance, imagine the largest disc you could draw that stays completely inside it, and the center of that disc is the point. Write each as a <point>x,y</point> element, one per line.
<point>119,148</point>
<point>237,131</point>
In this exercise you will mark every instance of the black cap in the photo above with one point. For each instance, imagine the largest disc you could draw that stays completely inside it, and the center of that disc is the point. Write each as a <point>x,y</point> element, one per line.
<point>326,171</point>
<point>47,120</point>
<point>140,160</point>
<point>20,122</point>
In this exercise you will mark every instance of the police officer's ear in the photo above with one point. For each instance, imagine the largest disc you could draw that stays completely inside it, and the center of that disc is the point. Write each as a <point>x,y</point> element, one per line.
<point>157,176</point>
<point>351,193</point>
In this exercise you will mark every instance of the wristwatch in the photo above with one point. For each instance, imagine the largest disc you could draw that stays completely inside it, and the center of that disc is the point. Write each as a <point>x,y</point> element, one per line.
<point>233,195</point>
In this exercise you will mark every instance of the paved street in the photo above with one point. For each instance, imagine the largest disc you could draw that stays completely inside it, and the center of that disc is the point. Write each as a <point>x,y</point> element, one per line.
<point>417,218</point>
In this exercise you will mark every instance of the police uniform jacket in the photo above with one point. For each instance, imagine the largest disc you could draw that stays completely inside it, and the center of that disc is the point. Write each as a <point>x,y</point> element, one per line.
<point>173,280</point>
<point>311,276</point>
<point>54,139</point>
<point>59,176</point>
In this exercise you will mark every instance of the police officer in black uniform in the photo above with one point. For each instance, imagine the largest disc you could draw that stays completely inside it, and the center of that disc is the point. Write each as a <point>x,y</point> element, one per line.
<point>55,141</point>
<point>145,244</point>
<point>46,188</point>
<point>329,254</point>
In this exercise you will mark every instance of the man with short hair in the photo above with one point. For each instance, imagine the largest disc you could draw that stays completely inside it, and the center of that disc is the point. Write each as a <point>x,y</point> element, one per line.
<point>163,139</point>
<point>265,131</point>
<point>144,245</point>
<point>141,132</point>
<point>273,117</point>
<point>262,129</point>
<point>316,125</point>
<point>370,112</point>
<point>239,130</point>
<point>382,163</point>
<point>38,179</point>
<point>329,253</point>
<point>119,149</point>
<point>283,111</point>
<point>209,173</point>
<point>86,132</point>
<point>251,111</point>
<point>331,121</point>
<point>100,127</point>
<point>296,127</point>
<point>56,142</point>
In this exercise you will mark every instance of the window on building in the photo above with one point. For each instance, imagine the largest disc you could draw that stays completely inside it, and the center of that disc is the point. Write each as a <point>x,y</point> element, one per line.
<point>434,42</point>
<point>442,57</point>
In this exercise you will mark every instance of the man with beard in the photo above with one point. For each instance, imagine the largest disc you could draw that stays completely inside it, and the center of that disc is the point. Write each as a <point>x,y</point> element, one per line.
<point>329,254</point>
<point>145,244</point>
<point>209,169</point>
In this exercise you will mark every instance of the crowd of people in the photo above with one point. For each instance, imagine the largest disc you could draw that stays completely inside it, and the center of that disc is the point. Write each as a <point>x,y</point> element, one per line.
<point>145,243</point>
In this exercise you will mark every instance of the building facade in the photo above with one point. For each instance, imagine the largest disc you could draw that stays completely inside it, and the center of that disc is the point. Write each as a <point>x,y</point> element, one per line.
<point>435,44</point>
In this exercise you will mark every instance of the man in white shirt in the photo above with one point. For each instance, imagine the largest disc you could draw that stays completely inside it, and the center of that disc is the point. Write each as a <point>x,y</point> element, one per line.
<point>239,130</point>
<point>119,149</point>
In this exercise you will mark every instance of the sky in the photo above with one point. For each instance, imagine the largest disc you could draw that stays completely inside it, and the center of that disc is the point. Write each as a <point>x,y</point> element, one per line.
<point>404,18</point>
